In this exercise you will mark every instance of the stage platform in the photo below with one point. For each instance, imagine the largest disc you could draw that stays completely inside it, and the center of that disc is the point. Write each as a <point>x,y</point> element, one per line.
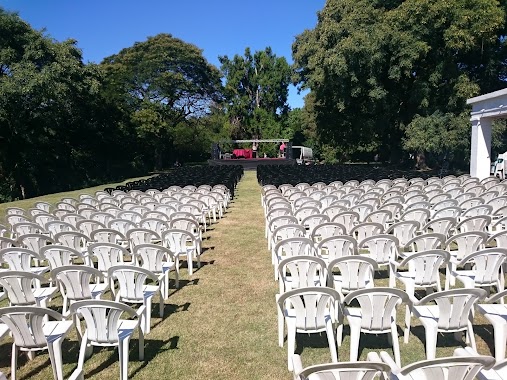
<point>252,163</point>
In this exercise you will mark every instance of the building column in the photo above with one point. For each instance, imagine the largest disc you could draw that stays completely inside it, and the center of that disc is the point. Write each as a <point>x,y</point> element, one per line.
<point>480,160</point>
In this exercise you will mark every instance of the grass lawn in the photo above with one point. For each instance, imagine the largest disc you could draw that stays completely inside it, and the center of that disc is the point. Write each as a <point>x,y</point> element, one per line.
<point>222,322</point>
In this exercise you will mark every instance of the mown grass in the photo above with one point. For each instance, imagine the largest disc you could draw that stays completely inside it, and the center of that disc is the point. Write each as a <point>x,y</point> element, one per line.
<point>221,322</point>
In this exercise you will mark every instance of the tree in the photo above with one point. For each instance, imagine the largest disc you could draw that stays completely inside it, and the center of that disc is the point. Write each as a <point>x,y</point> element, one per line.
<point>256,92</point>
<point>161,83</point>
<point>47,102</point>
<point>373,66</point>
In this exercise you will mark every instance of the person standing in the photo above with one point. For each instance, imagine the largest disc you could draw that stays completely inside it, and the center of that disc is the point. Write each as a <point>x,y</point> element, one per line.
<point>254,149</point>
<point>282,149</point>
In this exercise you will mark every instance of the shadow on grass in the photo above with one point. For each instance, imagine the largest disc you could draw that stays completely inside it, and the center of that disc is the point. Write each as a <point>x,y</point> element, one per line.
<point>443,339</point>
<point>152,348</point>
<point>485,332</point>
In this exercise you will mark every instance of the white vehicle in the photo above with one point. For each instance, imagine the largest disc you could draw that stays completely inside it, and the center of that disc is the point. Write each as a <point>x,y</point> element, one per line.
<point>498,167</point>
<point>302,154</point>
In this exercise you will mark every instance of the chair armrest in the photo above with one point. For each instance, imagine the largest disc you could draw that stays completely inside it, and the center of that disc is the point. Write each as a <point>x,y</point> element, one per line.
<point>390,362</point>
<point>297,365</point>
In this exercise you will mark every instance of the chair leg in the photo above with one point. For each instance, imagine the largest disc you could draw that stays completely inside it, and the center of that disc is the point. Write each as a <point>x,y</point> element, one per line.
<point>331,341</point>
<point>281,323</point>
<point>189,262</point>
<point>55,355</point>
<point>123,352</point>
<point>141,344</point>
<point>431,343</point>
<point>500,335</point>
<point>396,344</point>
<point>147,315</point>
<point>14,361</point>
<point>355,334</point>
<point>408,317</point>
<point>471,336</point>
<point>291,342</point>
<point>161,305</point>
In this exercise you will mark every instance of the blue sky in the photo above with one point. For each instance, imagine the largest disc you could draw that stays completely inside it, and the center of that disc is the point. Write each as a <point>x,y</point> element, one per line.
<point>219,27</point>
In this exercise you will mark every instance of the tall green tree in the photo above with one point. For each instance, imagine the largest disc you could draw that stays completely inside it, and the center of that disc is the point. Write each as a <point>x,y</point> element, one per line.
<point>256,91</point>
<point>161,83</point>
<point>48,102</point>
<point>375,66</point>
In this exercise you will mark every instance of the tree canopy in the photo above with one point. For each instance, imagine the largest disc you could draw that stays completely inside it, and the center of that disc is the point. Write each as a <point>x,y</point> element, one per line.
<point>375,66</point>
<point>161,83</point>
<point>256,92</point>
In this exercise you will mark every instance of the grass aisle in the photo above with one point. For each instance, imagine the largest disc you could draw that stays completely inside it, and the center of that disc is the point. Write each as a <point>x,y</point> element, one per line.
<point>223,321</point>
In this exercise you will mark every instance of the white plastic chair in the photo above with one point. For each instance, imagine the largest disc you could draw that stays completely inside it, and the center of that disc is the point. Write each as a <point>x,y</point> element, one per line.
<point>23,288</point>
<point>310,310</point>
<point>366,229</point>
<point>292,247</point>
<point>451,313</point>
<point>355,272</point>
<point>367,370</point>
<point>496,314</point>
<point>448,368</point>
<point>76,284</point>
<point>326,230</point>
<point>107,235</point>
<point>485,269</point>
<point>336,246</point>
<point>496,372</point>
<point>383,249</point>
<point>105,328</point>
<point>420,243</point>
<point>376,314</point>
<point>298,272</point>
<point>404,230</point>
<point>33,331</point>
<point>182,243</point>
<point>134,289</point>
<point>159,260</point>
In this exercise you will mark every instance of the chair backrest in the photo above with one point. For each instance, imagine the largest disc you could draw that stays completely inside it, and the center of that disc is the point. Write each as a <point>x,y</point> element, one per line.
<point>303,271</point>
<point>348,219</point>
<point>298,246</point>
<point>26,324</point>
<point>474,223</point>
<point>404,230</point>
<point>356,272</point>
<point>336,246</point>
<point>381,248</point>
<point>425,242</point>
<point>131,281</point>
<point>75,280</point>
<point>378,306</point>
<point>60,255</point>
<point>19,259</point>
<point>344,370</point>
<point>486,264</point>
<point>312,306</point>
<point>288,231</point>
<point>72,239</point>
<point>138,236</point>
<point>35,242</point>
<point>465,243</point>
<point>152,256</point>
<point>366,229</point>
<point>19,286</point>
<point>106,235</point>
<point>441,225</point>
<point>177,240</point>
<point>448,368</point>
<point>425,265</point>
<point>326,230</point>
<point>102,318</point>
<point>108,254</point>
<point>454,306</point>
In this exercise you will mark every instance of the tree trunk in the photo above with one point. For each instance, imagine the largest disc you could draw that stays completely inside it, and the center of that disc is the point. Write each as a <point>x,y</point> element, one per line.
<point>421,161</point>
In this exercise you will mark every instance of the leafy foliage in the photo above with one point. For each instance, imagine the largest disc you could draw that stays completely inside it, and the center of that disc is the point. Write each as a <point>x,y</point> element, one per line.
<point>161,83</point>
<point>374,67</point>
<point>256,92</point>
